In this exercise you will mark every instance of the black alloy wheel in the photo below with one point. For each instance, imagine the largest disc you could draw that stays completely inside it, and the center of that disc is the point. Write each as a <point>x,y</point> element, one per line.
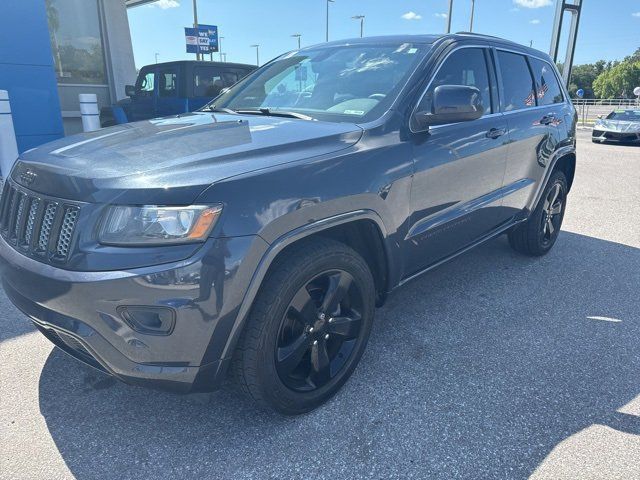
<point>539,233</point>
<point>552,210</point>
<point>308,327</point>
<point>319,331</point>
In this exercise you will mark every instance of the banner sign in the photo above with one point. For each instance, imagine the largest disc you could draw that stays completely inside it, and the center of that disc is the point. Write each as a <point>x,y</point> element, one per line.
<point>203,39</point>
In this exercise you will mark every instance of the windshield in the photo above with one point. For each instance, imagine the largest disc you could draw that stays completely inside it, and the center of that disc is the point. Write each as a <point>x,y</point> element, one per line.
<point>345,83</point>
<point>628,115</point>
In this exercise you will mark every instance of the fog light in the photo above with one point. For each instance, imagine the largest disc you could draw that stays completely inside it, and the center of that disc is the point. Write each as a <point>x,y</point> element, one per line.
<point>149,320</point>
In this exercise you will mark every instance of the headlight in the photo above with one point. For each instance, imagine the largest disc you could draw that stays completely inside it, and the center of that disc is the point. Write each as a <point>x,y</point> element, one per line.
<point>153,225</point>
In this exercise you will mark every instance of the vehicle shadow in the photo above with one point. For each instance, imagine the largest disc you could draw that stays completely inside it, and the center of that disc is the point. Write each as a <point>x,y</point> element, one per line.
<point>476,370</point>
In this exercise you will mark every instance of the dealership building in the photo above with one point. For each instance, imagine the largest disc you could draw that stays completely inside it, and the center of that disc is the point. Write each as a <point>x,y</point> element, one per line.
<point>53,50</point>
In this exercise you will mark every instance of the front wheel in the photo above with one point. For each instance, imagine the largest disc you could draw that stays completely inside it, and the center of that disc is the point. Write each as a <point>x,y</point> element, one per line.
<point>308,327</point>
<point>538,234</point>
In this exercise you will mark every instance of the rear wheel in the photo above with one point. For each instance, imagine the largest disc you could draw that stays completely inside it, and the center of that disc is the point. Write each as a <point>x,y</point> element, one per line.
<point>538,234</point>
<point>308,328</point>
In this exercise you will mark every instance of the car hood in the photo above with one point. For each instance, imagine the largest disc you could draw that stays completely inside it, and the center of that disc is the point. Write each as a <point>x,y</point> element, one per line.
<point>617,125</point>
<point>173,159</point>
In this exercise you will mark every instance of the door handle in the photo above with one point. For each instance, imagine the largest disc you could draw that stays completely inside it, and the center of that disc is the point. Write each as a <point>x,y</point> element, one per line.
<point>547,119</point>
<point>495,132</point>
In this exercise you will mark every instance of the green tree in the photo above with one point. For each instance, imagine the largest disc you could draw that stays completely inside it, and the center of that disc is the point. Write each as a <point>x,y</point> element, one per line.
<point>619,81</point>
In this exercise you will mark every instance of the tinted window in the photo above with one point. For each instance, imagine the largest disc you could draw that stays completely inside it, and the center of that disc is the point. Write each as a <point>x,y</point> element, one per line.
<point>167,84</point>
<point>209,81</point>
<point>463,67</point>
<point>547,86</point>
<point>516,81</point>
<point>628,115</point>
<point>335,83</point>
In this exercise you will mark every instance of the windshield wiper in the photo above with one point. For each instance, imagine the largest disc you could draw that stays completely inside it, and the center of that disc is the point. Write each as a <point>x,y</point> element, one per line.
<point>213,108</point>
<point>275,113</point>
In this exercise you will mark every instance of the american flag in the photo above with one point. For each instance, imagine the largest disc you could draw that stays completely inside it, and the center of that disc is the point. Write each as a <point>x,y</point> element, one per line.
<point>543,88</point>
<point>529,100</point>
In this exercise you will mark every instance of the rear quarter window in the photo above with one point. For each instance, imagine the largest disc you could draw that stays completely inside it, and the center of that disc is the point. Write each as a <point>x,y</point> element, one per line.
<point>518,89</point>
<point>548,90</point>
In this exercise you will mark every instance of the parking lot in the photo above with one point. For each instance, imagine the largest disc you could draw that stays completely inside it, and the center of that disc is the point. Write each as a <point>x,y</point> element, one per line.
<point>492,366</point>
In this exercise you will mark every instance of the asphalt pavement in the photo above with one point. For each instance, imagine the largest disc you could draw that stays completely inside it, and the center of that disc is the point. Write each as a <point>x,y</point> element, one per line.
<point>492,366</point>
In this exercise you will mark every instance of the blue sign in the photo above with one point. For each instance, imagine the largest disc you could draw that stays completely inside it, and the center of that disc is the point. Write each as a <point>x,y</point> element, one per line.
<point>203,39</point>
<point>580,93</point>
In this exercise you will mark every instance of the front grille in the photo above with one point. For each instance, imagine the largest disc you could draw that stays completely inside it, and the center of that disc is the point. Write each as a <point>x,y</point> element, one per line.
<point>39,226</point>
<point>620,136</point>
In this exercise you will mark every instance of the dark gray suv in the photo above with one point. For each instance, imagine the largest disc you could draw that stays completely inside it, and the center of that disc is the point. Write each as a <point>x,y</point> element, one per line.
<point>257,236</point>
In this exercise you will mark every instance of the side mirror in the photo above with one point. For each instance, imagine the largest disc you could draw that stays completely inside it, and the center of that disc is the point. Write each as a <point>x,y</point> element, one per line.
<point>451,104</point>
<point>129,90</point>
<point>600,117</point>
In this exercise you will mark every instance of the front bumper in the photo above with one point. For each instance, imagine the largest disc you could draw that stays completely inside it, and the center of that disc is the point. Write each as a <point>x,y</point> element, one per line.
<point>615,137</point>
<point>81,312</point>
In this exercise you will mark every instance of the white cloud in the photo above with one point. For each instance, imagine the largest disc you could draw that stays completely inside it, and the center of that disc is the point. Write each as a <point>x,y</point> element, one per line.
<point>164,4</point>
<point>635,14</point>
<point>441,15</point>
<point>535,21</point>
<point>533,3</point>
<point>412,16</point>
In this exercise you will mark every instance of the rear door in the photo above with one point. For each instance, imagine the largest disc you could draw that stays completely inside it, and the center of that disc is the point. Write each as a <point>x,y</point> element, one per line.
<point>458,167</point>
<point>531,131</point>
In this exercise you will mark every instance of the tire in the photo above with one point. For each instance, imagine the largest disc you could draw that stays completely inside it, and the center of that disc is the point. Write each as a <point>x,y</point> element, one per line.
<point>287,316</point>
<point>538,234</point>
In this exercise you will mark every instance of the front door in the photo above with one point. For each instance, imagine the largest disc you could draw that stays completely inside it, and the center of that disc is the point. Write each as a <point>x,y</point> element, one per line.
<point>459,167</point>
<point>143,102</point>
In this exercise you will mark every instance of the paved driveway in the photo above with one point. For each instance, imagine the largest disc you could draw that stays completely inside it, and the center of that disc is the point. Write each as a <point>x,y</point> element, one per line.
<point>493,366</point>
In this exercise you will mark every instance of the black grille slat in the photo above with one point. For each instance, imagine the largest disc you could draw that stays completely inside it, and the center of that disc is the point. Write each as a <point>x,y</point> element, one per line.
<point>21,218</point>
<point>7,191</point>
<point>31,222</point>
<point>65,235</point>
<point>44,235</point>
<point>13,214</point>
<point>37,226</point>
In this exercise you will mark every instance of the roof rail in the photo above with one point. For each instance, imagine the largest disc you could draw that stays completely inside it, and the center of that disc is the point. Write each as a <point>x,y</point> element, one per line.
<point>479,35</point>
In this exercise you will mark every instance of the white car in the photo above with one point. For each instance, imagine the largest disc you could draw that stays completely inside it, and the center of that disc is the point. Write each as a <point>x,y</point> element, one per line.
<point>620,126</point>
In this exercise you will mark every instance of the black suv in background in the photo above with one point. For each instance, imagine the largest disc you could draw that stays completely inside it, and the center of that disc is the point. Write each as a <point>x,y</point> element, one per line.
<point>258,235</point>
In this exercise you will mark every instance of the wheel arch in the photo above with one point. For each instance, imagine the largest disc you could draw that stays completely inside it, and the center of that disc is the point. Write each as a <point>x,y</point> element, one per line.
<point>567,164</point>
<point>352,228</point>
<point>564,159</point>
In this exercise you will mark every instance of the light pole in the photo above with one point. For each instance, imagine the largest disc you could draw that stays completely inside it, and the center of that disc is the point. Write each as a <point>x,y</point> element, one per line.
<point>328,2</point>
<point>195,25</point>
<point>361,18</point>
<point>449,16</point>
<point>157,57</point>
<point>298,36</point>
<point>473,6</point>
<point>257,47</point>
<point>220,46</point>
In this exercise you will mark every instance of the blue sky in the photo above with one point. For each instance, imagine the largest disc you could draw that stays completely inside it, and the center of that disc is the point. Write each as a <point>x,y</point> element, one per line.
<point>608,33</point>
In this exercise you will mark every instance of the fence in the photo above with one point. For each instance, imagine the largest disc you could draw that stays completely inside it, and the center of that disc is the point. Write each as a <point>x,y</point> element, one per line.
<point>589,109</point>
